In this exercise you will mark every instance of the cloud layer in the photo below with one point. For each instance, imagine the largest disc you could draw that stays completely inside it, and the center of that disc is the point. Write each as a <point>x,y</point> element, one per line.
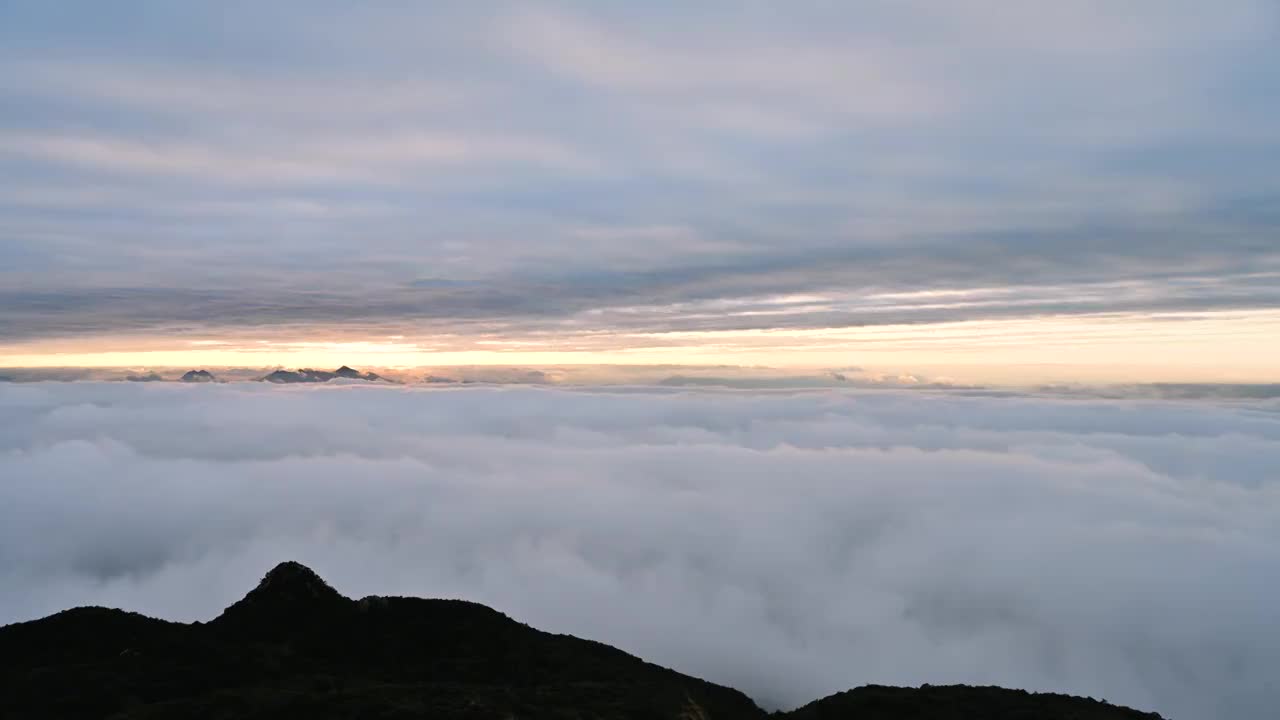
<point>791,543</point>
<point>568,167</point>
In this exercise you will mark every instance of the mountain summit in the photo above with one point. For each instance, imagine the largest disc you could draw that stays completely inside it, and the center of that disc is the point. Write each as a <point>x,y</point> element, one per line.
<point>290,597</point>
<point>307,375</point>
<point>294,647</point>
<point>293,582</point>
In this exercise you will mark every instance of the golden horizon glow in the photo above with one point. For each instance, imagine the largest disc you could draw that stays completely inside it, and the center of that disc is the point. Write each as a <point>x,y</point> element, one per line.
<point>1238,346</point>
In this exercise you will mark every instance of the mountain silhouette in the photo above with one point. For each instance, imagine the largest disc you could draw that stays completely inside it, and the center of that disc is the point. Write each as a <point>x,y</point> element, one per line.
<point>290,599</point>
<point>307,375</point>
<point>294,647</point>
<point>191,376</point>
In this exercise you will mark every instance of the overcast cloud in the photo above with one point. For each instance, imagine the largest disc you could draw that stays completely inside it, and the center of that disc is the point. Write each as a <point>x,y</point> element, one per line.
<point>512,167</point>
<point>791,543</point>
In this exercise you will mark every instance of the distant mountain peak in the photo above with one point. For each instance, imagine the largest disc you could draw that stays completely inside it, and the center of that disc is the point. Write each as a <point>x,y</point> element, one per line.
<point>310,375</point>
<point>198,376</point>
<point>288,376</point>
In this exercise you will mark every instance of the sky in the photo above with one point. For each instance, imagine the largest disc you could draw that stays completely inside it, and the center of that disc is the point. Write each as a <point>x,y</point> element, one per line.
<point>988,191</point>
<point>789,543</point>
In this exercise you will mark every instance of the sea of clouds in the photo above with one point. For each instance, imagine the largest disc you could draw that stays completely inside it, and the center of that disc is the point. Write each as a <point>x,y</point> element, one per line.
<point>789,543</point>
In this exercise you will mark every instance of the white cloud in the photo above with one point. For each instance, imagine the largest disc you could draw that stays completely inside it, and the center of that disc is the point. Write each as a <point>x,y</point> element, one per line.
<point>806,147</point>
<point>788,543</point>
<point>260,94</point>
<point>115,154</point>
<point>347,158</point>
<point>752,82</point>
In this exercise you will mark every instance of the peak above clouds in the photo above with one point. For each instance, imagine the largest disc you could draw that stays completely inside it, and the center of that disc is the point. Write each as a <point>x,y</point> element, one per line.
<point>790,543</point>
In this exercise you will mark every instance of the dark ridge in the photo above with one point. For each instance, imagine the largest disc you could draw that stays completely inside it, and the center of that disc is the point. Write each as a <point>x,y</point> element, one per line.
<point>290,598</point>
<point>289,376</point>
<point>192,376</point>
<point>295,582</point>
<point>959,702</point>
<point>307,375</point>
<point>294,647</point>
